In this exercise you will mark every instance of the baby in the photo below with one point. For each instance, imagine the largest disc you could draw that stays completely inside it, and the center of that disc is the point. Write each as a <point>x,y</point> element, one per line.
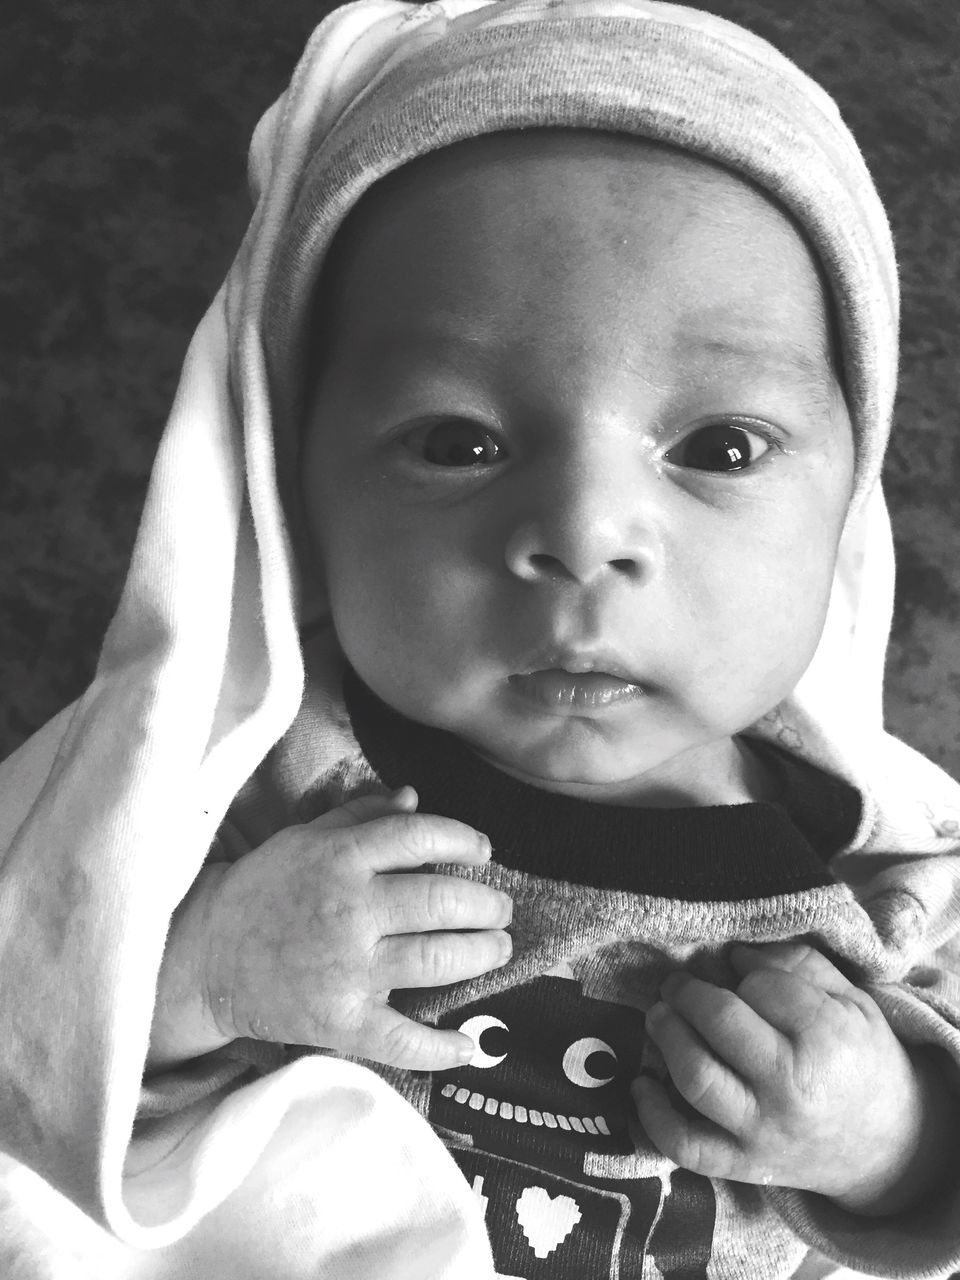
<point>576,461</point>
<point>539,425</point>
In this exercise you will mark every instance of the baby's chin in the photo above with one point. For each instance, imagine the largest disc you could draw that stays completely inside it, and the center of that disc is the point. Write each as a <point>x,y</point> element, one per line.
<point>711,774</point>
<point>587,777</point>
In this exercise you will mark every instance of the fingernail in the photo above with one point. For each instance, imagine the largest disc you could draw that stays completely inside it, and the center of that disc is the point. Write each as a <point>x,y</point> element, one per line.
<point>506,948</point>
<point>485,845</point>
<point>466,1053</point>
<point>656,1012</point>
<point>405,795</point>
<point>507,910</point>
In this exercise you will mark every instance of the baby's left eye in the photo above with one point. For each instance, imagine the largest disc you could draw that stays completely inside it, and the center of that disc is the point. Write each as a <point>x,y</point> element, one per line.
<point>720,446</point>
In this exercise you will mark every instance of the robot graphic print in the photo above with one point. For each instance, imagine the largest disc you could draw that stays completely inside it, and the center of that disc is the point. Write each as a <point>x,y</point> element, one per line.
<point>540,1123</point>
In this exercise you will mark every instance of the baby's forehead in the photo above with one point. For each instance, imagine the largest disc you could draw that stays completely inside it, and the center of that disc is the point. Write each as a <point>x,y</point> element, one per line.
<point>493,226</point>
<point>551,184</point>
<point>557,159</point>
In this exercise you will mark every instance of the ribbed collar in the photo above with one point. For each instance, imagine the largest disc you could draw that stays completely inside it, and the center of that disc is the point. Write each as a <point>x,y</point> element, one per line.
<point>713,853</point>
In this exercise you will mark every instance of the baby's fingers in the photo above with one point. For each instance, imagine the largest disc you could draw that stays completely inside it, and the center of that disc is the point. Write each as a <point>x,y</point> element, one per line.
<point>790,1004</point>
<point>363,809</point>
<point>798,958</point>
<point>735,1032</point>
<point>437,959</point>
<point>388,1037</point>
<point>414,903</point>
<point>405,840</point>
<point>693,1144</point>
<point>709,1085</point>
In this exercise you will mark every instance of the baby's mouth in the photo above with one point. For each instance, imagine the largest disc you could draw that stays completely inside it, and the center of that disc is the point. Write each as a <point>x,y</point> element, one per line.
<point>558,688</point>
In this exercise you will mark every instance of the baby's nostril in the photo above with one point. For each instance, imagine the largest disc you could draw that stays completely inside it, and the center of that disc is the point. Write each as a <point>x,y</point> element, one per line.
<point>627,567</point>
<point>549,566</point>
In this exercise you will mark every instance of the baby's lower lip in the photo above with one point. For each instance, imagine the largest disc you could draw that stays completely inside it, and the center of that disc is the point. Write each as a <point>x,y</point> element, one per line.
<point>558,689</point>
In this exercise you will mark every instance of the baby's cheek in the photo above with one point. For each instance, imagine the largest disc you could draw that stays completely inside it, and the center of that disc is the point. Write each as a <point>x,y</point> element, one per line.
<point>416,646</point>
<point>793,586</point>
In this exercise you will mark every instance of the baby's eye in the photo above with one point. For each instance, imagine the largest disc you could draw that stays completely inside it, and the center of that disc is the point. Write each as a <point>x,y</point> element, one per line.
<point>455,443</point>
<point>721,446</point>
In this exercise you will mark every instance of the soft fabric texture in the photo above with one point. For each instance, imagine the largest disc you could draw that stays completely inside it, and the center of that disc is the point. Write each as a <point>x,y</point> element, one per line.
<point>108,812</point>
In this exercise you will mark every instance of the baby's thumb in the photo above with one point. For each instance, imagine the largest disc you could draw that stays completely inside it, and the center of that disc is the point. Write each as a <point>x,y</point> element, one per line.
<point>366,808</point>
<point>397,1041</point>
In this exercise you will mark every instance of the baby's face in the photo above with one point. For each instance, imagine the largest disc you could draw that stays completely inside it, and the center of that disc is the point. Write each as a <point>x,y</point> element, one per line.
<point>579,461</point>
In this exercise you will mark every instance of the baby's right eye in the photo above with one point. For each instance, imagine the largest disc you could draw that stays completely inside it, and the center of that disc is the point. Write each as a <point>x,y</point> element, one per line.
<point>721,447</point>
<point>454,442</point>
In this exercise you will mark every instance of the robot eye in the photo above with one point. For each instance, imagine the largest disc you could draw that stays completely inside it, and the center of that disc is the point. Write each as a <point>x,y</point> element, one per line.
<point>475,1028</point>
<point>586,1061</point>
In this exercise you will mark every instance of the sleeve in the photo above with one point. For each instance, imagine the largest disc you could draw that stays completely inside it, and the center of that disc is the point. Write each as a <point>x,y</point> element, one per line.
<point>912,910</point>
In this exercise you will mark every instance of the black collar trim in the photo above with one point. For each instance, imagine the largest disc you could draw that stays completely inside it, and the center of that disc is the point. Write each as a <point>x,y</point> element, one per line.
<point>714,853</point>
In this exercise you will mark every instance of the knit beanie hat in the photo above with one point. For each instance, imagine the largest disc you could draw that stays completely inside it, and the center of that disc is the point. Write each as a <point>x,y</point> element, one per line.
<point>658,71</point>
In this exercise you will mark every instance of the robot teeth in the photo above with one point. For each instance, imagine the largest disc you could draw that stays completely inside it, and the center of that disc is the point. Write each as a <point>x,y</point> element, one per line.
<point>522,1115</point>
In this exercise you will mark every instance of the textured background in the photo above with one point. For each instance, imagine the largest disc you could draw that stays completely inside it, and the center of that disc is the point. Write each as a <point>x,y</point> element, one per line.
<point>124,129</point>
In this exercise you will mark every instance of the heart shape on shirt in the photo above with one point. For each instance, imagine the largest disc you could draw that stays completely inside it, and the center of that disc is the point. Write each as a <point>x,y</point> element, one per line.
<point>546,1220</point>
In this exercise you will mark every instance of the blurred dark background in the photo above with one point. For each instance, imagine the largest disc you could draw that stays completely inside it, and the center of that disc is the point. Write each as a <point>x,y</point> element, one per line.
<point>122,163</point>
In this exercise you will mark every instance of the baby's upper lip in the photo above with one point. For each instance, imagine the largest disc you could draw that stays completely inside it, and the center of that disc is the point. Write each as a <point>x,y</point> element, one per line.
<point>578,661</point>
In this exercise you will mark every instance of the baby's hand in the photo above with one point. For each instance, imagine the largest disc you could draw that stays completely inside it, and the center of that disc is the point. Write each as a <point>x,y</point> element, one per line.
<point>302,940</point>
<point>797,1078</point>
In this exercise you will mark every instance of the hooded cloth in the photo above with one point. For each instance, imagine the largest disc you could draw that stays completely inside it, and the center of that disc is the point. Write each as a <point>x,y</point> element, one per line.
<point>109,811</point>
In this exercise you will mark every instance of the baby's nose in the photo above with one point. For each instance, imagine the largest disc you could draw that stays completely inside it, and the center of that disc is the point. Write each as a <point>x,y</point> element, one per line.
<point>591,509</point>
<point>573,564</point>
<point>584,540</point>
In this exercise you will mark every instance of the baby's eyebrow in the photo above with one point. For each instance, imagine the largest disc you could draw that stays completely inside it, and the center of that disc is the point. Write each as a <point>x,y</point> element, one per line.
<point>776,353</point>
<point>432,339</point>
<point>810,371</point>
